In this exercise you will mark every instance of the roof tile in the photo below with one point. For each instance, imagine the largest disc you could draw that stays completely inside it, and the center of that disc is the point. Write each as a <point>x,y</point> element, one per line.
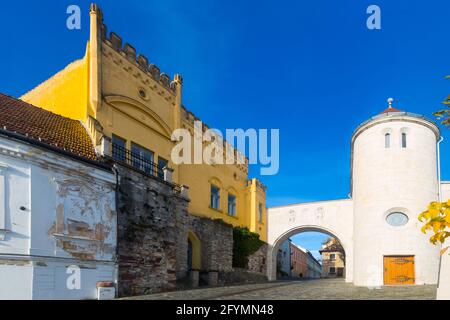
<point>46,127</point>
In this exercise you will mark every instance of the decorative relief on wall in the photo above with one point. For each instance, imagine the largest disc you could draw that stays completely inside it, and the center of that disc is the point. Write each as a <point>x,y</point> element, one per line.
<point>84,218</point>
<point>319,213</point>
<point>291,215</point>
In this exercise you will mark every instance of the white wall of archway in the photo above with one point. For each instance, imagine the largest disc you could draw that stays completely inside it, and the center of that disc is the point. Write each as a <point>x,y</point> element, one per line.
<point>331,217</point>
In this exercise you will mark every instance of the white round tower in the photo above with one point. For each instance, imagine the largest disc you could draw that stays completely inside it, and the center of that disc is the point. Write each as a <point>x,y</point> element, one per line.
<point>394,178</point>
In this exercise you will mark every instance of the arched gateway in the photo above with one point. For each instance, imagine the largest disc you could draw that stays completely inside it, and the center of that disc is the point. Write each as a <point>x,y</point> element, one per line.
<point>393,179</point>
<point>334,218</point>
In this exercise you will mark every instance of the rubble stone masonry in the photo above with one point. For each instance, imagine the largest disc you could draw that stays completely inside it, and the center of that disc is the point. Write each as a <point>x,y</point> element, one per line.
<point>150,215</point>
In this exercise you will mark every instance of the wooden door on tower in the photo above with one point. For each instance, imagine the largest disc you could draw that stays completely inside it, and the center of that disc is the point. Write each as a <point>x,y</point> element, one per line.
<point>399,270</point>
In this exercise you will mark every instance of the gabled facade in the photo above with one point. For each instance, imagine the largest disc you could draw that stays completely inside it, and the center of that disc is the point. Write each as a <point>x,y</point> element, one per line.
<point>333,259</point>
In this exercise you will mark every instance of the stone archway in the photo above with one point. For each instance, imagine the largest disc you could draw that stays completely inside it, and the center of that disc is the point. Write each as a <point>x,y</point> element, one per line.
<point>334,218</point>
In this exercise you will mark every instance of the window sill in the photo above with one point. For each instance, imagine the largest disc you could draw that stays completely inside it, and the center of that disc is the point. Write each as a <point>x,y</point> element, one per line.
<point>65,236</point>
<point>217,210</point>
<point>231,216</point>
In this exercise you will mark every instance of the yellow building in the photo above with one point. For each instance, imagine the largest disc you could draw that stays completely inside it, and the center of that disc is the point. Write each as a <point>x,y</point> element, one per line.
<point>124,98</point>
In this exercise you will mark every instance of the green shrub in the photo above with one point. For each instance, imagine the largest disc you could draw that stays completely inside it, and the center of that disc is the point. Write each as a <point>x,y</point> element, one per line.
<point>245,243</point>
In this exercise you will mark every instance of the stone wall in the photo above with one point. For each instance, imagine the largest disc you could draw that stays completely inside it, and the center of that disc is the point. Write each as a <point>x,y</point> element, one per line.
<point>153,226</point>
<point>150,216</point>
<point>257,262</point>
<point>182,227</point>
<point>240,276</point>
<point>216,239</point>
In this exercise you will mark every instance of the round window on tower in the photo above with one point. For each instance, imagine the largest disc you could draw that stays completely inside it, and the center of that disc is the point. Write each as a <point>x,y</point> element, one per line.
<point>397,219</point>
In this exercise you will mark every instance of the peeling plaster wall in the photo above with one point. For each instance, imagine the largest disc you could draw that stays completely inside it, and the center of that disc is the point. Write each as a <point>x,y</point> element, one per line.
<point>56,212</point>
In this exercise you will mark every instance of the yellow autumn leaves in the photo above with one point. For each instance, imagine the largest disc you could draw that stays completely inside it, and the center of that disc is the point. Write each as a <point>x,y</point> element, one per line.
<point>437,219</point>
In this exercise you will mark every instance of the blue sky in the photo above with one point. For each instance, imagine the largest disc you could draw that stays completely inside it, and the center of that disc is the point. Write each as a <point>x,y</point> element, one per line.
<point>311,241</point>
<point>310,68</point>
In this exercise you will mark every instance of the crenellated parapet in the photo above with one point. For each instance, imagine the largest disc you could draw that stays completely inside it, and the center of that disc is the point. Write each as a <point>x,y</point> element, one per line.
<point>188,120</point>
<point>257,184</point>
<point>127,51</point>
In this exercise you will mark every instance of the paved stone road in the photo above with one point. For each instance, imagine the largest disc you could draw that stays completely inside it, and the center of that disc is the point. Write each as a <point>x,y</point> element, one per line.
<point>323,289</point>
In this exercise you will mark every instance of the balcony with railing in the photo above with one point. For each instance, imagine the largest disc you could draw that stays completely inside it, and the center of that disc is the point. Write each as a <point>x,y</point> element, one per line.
<point>137,161</point>
<point>141,162</point>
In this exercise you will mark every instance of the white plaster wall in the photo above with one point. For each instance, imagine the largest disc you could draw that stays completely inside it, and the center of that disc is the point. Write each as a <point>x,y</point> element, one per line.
<point>16,222</point>
<point>16,280</point>
<point>332,217</point>
<point>41,239</point>
<point>443,291</point>
<point>50,277</point>
<point>445,188</point>
<point>393,179</point>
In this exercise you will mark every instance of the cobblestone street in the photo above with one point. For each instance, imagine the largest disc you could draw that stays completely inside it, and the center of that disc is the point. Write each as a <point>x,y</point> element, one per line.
<point>323,289</point>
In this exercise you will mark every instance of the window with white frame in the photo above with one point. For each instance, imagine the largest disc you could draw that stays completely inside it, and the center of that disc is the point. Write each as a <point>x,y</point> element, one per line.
<point>403,140</point>
<point>215,197</point>
<point>231,205</point>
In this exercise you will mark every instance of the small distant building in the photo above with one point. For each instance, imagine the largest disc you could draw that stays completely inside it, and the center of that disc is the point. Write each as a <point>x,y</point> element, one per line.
<point>303,263</point>
<point>299,264</point>
<point>333,259</point>
<point>284,259</point>
<point>314,266</point>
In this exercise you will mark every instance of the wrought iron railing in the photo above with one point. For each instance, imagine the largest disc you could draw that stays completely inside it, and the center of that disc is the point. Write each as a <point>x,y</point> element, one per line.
<point>127,157</point>
<point>137,161</point>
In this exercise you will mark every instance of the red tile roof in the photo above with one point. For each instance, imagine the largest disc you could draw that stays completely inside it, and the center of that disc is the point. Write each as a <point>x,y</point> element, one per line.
<point>390,110</point>
<point>335,247</point>
<point>45,127</point>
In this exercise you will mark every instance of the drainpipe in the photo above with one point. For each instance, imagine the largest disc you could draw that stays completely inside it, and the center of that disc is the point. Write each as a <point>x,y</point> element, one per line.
<point>439,195</point>
<point>439,169</point>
